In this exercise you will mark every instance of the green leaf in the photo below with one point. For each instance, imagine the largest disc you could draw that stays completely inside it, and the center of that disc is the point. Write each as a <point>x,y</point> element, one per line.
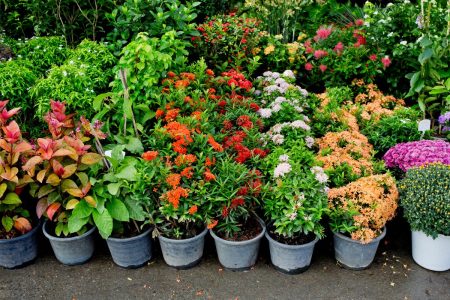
<point>45,190</point>
<point>7,223</point>
<point>118,210</point>
<point>134,145</point>
<point>425,42</point>
<point>129,172</point>
<point>75,224</point>
<point>12,199</point>
<point>425,55</point>
<point>82,210</point>
<point>3,188</point>
<point>135,210</point>
<point>104,223</point>
<point>113,188</point>
<point>97,103</point>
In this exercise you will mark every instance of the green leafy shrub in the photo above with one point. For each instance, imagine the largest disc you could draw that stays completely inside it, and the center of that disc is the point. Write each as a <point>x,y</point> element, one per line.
<point>86,73</point>
<point>43,52</point>
<point>392,130</point>
<point>156,17</point>
<point>16,79</point>
<point>425,198</point>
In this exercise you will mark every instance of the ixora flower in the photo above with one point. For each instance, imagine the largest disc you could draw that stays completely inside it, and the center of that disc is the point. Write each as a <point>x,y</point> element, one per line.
<point>416,154</point>
<point>386,61</point>
<point>367,204</point>
<point>282,169</point>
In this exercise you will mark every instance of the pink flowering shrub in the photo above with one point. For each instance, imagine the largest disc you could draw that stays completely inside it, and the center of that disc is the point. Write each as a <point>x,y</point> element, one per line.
<point>416,154</point>
<point>337,54</point>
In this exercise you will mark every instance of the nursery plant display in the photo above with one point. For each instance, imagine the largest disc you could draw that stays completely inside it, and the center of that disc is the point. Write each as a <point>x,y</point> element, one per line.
<point>424,196</point>
<point>358,214</point>
<point>241,119</point>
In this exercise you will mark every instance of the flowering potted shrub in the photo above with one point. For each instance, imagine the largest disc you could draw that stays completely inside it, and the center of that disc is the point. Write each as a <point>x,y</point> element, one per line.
<point>415,154</point>
<point>294,202</point>
<point>18,232</point>
<point>358,215</point>
<point>188,152</point>
<point>425,198</point>
<point>346,156</point>
<point>232,219</point>
<point>59,167</point>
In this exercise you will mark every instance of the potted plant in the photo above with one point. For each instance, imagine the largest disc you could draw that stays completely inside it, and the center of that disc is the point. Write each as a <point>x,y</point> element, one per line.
<point>294,201</point>
<point>186,156</point>
<point>59,167</point>
<point>127,191</point>
<point>18,232</point>
<point>358,215</point>
<point>233,222</point>
<point>425,198</point>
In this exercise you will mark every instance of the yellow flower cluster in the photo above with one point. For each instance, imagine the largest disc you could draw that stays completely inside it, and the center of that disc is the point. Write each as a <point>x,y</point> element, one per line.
<point>371,200</point>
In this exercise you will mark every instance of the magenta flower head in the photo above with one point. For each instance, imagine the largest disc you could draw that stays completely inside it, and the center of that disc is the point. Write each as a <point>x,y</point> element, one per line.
<point>416,154</point>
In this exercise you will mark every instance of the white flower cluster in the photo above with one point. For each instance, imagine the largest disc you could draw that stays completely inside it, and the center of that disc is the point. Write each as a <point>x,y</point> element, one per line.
<point>320,175</point>
<point>282,169</point>
<point>274,133</point>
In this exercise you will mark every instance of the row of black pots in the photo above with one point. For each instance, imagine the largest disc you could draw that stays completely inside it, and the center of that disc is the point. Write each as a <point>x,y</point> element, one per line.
<point>182,254</point>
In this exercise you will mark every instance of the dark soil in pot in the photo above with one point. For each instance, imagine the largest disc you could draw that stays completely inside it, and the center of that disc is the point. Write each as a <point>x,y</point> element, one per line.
<point>249,230</point>
<point>301,239</point>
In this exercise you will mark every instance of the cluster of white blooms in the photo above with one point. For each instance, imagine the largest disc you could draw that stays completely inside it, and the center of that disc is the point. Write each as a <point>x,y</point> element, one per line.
<point>320,175</point>
<point>282,169</point>
<point>275,135</point>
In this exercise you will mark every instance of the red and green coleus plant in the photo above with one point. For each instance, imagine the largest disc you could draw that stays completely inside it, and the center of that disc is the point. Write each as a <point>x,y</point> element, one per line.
<point>15,219</point>
<point>60,168</point>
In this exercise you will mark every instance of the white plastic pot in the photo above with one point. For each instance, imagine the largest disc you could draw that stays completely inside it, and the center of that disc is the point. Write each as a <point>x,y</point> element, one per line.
<point>432,254</point>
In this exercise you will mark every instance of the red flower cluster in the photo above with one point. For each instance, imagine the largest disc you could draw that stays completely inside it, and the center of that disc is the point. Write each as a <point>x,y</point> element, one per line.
<point>237,80</point>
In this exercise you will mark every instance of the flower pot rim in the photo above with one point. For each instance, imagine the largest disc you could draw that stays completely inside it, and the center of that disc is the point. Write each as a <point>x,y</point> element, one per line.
<point>287,246</point>
<point>129,239</point>
<point>421,231</point>
<point>175,241</point>
<point>23,236</point>
<point>227,242</point>
<point>55,238</point>
<point>375,240</point>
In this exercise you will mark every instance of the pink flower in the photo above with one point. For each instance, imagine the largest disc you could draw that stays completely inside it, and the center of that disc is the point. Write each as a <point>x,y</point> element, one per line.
<point>386,61</point>
<point>322,33</point>
<point>323,68</point>
<point>373,57</point>
<point>308,66</point>
<point>339,48</point>
<point>359,22</point>
<point>320,53</point>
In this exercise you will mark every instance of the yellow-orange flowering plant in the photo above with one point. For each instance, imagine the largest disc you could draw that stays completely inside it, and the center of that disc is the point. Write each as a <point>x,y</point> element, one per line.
<point>362,208</point>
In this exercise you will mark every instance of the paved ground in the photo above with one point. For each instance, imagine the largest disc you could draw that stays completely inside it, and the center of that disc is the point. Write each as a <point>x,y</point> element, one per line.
<point>393,275</point>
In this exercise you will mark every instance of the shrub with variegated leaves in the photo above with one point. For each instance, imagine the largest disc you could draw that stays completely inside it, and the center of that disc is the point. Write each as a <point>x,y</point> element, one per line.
<point>15,219</point>
<point>60,167</point>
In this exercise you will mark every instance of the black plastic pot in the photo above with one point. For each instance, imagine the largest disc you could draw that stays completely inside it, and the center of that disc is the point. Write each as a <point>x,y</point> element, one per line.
<point>131,252</point>
<point>19,251</point>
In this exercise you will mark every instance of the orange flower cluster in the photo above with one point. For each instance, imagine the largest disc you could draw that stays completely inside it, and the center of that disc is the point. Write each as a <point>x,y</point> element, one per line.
<point>208,175</point>
<point>193,209</point>
<point>350,147</point>
<point>341,115</point>
<point>173,180</point>
<point>215,145</point>
<point>173,196</point>
<point>181,134</point>
<point>187,172</point>
<point>371,200</point>
<point>185,159</point>
<point>374,103</point>
<point>149,155</point>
